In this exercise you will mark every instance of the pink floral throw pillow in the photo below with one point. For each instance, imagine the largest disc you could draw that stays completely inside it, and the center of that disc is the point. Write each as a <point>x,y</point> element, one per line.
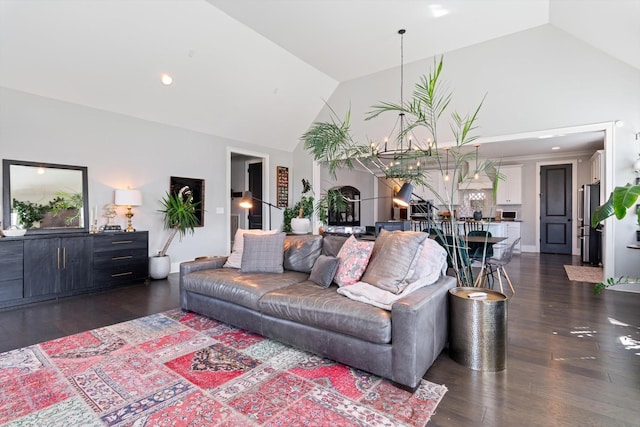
<point>354,257</point>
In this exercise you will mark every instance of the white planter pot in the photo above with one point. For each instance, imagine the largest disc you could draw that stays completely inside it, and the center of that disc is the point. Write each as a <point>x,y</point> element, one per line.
<point>159,267</point>
<point>300,225</point>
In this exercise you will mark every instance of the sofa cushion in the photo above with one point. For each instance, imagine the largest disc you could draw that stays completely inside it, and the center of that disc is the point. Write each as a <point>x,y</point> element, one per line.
<point>331,244</point>
<point>263,253</point>
<point>323,308</point>
<point>301,252</point>
<point>235,258</point>
<point>354,256</point>
<point>324,270</point>
<point>394,258</point>
<point>230,285</point>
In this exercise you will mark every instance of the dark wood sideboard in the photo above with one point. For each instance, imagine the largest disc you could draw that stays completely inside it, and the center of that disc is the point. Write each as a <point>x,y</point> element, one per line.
<point>42,267</point>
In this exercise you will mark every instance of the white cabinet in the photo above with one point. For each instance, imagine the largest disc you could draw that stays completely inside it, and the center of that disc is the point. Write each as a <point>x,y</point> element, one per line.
<point>510,189</point>
<point>597,166</point>
<point>513,233</point>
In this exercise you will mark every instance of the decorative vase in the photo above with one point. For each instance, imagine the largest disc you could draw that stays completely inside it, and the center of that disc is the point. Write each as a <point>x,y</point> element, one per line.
<point>159,267</point>
<point>300,225</point>
<point>477,215</point>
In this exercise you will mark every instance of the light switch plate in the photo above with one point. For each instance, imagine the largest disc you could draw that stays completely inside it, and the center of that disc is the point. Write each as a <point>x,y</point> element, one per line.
<point>219,210</point>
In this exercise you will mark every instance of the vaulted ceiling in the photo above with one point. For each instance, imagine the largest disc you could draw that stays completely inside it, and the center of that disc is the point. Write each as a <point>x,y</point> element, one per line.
<point>258,70</point>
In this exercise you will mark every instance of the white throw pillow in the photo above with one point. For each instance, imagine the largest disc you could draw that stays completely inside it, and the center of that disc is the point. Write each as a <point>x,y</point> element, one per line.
<point>235,258</point>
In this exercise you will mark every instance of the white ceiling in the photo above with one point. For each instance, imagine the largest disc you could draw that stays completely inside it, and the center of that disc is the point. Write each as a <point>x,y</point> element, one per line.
<point>258,70</point>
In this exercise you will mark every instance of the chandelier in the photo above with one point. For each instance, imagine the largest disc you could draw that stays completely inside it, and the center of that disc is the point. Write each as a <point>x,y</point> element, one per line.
<point>402,158</point>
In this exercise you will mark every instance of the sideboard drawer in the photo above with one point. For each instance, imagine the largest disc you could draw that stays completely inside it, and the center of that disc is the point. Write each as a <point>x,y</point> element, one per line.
<point>11,289</point>
<point>120,258</point>
<point>11,261</point>
<point>120,241</point>
<point>124,256</point>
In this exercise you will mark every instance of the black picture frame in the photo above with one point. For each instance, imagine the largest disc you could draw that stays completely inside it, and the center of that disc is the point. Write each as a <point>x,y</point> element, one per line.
<point>197,189</point>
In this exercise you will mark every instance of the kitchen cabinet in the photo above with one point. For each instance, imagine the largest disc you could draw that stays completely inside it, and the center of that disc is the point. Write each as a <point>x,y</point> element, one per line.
<point>513,233</point>
<point>57,265</point>
<point>510,189</point>
<point>597,166</point>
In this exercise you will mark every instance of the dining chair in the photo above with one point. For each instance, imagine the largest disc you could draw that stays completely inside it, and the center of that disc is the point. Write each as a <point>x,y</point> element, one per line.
<point>446,227</point>
<point>473,226</point>
<point>460,252</point>
<point>477,249</point>
<point>495,267</point>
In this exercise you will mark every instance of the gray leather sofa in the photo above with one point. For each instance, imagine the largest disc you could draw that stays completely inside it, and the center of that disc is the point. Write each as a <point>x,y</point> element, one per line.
<point>400,344</point>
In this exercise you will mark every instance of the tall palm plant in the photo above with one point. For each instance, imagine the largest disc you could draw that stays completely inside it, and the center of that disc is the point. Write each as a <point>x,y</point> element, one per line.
<point>178,215</point>
<point>332,145</point>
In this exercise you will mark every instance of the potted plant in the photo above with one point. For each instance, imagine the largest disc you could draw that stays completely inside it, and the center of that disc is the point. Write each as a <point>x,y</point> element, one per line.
<point>620,201</point>
<point>178,216</point>
<point>297,219</point>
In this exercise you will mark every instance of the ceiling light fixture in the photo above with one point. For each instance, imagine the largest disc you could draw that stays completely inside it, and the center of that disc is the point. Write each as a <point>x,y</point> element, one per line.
<point>401,160</point>
<point>555,148</point>
<point>166,79</point>
<point>476,175</point>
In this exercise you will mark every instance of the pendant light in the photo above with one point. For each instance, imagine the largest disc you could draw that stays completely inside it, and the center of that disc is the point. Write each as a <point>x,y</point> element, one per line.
<point>476,175</point>
<point>446,176</point>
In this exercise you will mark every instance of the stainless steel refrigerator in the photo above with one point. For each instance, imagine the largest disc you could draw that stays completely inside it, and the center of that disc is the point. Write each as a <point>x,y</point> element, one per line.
<point>590,237</point>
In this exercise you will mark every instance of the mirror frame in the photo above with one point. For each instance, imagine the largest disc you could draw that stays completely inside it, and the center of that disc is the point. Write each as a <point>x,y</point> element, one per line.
<point>6,196</point>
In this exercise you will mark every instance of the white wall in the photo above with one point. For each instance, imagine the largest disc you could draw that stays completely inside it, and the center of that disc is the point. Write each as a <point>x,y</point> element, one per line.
<point>534,80</point>
<point>121,151</point>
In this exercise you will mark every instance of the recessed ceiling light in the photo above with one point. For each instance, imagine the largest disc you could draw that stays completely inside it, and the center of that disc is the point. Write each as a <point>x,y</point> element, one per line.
<point>166,79</point>
<point>555,148</point>
<point>545,136</point>
<point>619,123</point>
<point>437,10</point>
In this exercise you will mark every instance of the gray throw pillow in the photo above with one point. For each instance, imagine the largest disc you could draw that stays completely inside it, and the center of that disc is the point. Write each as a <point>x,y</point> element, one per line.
<point>392,261</point>
<point>263,253</point>
<point>331,245</point>
<point>324,269</point>
<point>301,252</point>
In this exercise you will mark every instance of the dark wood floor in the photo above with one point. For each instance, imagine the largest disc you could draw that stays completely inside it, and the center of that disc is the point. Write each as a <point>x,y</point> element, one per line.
<point>573,358</point>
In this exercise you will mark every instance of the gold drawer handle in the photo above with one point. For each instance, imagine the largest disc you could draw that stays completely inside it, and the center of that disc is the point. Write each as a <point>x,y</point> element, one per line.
<point>128,273</point>
<point>117,258</point>
<point>120,242</point>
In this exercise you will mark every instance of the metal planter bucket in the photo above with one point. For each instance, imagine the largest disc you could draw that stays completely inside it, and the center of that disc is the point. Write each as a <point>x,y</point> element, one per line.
<point>478,329</point>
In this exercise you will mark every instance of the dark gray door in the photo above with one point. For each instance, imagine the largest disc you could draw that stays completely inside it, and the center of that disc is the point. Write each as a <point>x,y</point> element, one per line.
<point>555,209</point>
<point>255,186</point>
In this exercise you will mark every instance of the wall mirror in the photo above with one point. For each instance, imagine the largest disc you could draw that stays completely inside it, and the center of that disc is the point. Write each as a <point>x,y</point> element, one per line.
<point>45,197</point>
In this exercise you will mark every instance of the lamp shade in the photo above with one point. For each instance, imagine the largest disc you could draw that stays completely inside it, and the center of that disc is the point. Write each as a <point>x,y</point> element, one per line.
<point>404,195</point>
<point>247,200</point>
<point>128,198</point>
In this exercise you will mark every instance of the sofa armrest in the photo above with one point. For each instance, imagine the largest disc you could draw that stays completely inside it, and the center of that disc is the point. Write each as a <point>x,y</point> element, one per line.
<point>419,329</point>
<point>202,264</point>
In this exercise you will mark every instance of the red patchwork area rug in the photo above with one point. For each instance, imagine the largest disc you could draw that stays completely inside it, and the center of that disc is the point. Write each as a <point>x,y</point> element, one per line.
<point>182,369</point>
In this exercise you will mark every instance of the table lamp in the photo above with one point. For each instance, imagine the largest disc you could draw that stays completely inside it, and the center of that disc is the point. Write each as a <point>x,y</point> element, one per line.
<point>128,198</point>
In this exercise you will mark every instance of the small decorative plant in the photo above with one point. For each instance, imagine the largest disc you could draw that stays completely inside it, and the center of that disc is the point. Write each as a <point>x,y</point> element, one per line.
<point>66,201</point>
<point>178,215</point>
<point>302,209</point>
<point>29,212</point>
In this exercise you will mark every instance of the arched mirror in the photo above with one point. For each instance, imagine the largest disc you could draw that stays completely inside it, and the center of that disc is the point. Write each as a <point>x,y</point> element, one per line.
<point>45,197</point>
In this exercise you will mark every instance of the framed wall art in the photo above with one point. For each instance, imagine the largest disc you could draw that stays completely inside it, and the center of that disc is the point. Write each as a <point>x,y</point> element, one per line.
<point>282,190</point>
<point>197,189</point>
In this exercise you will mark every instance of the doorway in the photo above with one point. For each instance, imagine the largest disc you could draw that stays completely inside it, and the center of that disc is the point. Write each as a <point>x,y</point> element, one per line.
<point>239,161</point>
<point>556,209</point>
